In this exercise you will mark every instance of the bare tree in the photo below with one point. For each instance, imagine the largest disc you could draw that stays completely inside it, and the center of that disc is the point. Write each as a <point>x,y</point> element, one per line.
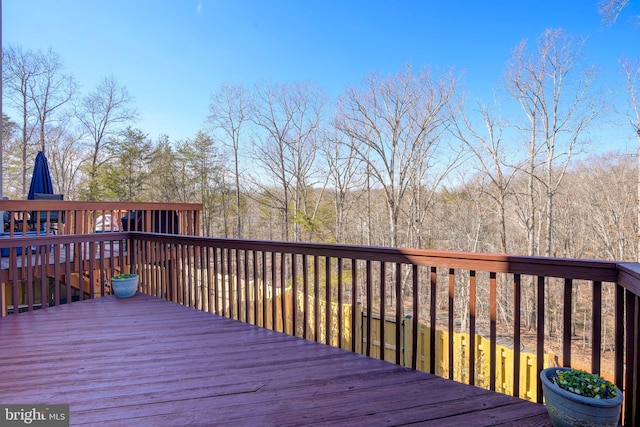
<point>605,187</point>
<point>38,89</point>
<point>495,161</point>
<point>102,114</point>
<point>50,90</point>
<point>20,70</point>
<point>631,71</point>
<point>229,113</point>
<point>611,9</point>
<point>65,156</point>
<point>288,118</point>
<point>553,95</point>
<point>396,124</point>
<point>343,167</point>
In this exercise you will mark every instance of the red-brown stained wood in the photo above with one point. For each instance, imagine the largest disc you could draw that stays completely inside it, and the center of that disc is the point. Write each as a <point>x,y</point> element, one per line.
<point>567,321</point>
<point>145,361</point>
<point>517,300</point>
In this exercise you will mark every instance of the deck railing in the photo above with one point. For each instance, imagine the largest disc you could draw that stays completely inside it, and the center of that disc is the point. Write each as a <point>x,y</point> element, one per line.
<point>75,217</point>
<point>27,219</point>
<point>319,292</point>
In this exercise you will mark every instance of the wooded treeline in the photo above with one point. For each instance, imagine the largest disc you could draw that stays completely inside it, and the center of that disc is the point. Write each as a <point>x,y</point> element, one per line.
<point>398,160</point>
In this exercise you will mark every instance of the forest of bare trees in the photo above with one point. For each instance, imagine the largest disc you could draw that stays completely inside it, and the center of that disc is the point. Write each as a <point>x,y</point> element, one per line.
<point>404,160</point>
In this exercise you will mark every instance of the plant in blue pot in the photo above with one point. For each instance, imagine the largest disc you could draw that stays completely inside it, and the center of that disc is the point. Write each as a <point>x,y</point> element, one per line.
<point>125,285</point>
<point>578,398</point>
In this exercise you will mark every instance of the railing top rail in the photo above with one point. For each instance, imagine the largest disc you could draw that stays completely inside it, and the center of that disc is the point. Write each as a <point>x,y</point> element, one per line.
<point>28,205</point>
<point>629,276</point>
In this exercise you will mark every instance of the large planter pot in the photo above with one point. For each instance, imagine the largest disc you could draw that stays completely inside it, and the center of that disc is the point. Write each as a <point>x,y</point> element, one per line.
<point>125,285</point>
<point>568,409</point>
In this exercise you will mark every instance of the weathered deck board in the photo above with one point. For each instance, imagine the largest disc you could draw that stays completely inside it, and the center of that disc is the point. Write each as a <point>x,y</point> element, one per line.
<point>145,361</point>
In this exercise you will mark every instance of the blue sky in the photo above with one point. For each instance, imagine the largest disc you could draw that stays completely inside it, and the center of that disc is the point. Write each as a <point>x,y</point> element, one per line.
<point>172,54</point>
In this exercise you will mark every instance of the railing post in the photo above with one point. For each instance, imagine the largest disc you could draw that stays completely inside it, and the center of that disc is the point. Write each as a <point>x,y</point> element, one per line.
<point>631,403</point>
<point>540,336</point>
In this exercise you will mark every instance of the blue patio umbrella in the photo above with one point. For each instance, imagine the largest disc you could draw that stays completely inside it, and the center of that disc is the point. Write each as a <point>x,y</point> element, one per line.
<point>41,178</point>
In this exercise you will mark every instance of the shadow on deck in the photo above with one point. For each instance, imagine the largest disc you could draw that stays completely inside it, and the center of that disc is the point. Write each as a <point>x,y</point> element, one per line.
<point>146,361</point>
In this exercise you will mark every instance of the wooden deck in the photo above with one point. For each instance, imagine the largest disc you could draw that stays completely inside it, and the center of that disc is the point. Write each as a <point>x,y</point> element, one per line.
<point>143,361</point>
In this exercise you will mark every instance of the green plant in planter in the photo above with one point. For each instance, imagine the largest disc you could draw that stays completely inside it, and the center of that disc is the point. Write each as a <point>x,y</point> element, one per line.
<point>577,398</point>
<point>585,384</point>
<point>124,276</point>
<point>124,285</point>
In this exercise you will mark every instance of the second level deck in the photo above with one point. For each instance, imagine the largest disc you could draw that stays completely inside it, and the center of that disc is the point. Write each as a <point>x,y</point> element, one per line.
<point>480,319</point>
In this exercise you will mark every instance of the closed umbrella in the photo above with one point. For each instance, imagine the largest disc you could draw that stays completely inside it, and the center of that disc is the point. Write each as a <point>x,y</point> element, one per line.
<point>41,178</point>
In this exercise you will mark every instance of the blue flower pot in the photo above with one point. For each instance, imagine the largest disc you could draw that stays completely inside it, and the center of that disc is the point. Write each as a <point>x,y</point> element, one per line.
<point>125,288</point>
<point>568,409</point>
